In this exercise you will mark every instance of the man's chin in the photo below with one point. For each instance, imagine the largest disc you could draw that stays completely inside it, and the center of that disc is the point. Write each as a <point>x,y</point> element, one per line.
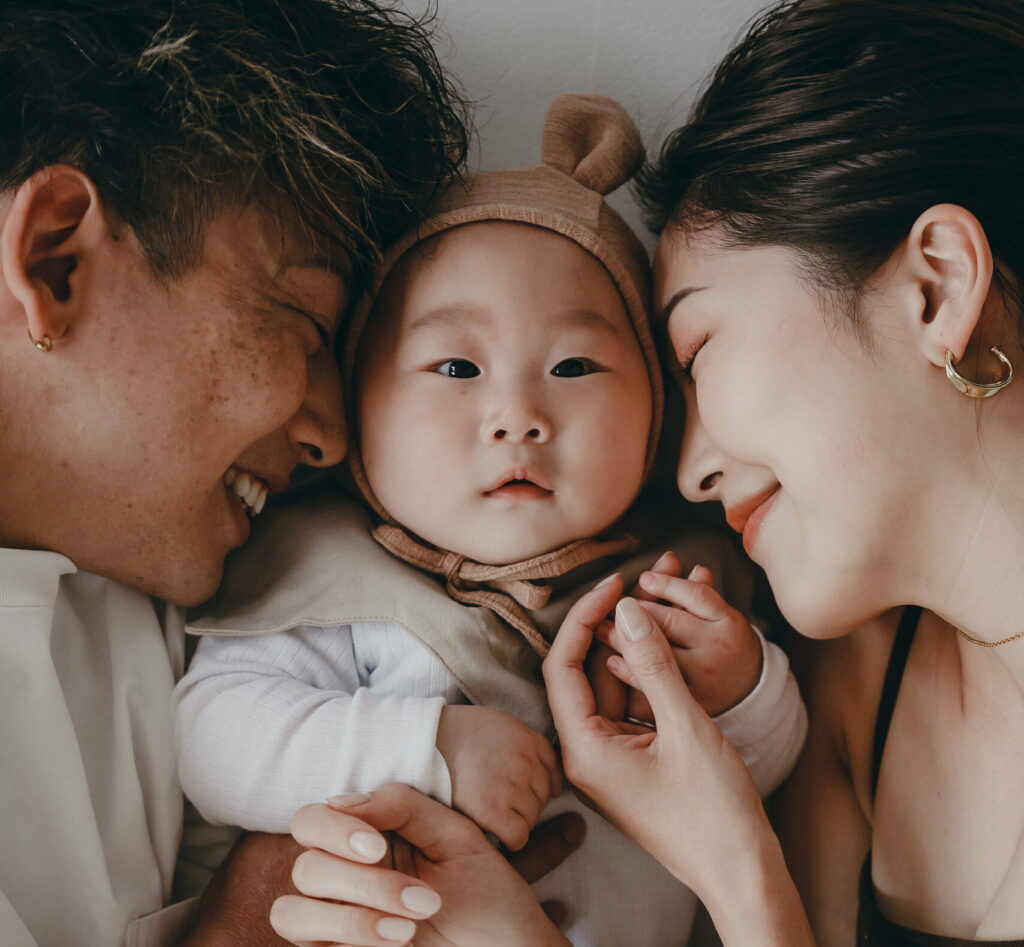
<point>189,586</point>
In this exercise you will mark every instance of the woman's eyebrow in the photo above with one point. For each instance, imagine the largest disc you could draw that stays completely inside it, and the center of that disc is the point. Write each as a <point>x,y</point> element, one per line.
<point>677,298</point>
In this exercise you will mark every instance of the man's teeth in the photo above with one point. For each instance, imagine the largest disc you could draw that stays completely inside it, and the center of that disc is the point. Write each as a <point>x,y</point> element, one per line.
<point>249,489</point>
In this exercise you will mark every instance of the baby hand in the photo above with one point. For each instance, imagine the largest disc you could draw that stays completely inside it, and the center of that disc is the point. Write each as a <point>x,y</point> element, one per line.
<point>713,643</point>
<point>503,773</point>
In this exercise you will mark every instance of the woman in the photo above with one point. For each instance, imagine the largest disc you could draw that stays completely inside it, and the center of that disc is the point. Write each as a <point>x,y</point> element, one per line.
<point>840,274</point>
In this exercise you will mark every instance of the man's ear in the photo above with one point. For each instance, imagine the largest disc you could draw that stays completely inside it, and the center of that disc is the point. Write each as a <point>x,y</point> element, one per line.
<point>55,221</point>
<point>949,264</point>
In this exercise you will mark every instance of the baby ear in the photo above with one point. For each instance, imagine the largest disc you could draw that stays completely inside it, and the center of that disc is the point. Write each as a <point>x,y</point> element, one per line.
<point>950,265</point>
<point>54,222</point>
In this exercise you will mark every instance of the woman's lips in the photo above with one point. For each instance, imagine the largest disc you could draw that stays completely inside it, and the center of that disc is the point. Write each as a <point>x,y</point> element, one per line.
<point>746,517</point>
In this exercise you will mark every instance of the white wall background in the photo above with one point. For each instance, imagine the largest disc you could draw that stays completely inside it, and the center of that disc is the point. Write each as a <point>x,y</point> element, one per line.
<point>514,56</point>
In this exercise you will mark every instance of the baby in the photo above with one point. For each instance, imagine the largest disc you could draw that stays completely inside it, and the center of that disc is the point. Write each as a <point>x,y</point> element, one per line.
<point>507,403</point>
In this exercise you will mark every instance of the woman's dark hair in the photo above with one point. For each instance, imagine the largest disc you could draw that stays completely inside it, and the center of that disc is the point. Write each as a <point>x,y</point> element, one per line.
<point>835,123</point>
<point>179,108</point>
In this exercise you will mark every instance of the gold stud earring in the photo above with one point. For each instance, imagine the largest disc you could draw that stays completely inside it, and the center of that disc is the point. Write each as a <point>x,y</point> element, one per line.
<point>977,389</point>
<point>45,344</point>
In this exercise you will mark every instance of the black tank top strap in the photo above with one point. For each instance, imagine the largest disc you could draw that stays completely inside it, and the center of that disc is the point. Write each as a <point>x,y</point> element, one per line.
<point>891,686</point>
<point>873,928</point>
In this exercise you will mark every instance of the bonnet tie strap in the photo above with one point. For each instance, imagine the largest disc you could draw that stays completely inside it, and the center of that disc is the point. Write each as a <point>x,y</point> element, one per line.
<point>507,590</point>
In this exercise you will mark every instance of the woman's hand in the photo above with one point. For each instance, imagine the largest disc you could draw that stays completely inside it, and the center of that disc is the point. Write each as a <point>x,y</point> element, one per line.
<point>441,881</point>
<point>682,792</point>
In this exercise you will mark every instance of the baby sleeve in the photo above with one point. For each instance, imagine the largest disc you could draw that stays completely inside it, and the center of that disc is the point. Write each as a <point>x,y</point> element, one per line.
<point>768,727</point>
<point>267,724</point>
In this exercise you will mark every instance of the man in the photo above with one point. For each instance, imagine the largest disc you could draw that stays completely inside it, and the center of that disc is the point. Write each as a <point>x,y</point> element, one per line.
<point>190,192</point>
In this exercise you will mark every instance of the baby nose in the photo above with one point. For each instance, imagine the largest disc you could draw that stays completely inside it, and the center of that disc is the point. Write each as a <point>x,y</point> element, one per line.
<point>518,424</point>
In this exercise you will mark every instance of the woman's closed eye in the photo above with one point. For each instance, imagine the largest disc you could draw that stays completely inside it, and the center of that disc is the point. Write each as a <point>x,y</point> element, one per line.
<point>457,368</point>
<point>682,371</point>
<point>574,368</point>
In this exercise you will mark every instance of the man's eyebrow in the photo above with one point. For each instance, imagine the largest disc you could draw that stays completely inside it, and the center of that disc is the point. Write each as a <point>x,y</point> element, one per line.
<point>335,268</point>
<point>676,299</point>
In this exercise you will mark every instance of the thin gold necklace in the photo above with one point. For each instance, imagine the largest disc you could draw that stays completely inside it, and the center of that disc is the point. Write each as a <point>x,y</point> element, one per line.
<point>989,644</point>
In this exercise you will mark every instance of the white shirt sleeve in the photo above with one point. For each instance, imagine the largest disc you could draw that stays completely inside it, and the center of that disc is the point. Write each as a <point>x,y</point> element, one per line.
<point>267,724</point>
<point>768,727</point>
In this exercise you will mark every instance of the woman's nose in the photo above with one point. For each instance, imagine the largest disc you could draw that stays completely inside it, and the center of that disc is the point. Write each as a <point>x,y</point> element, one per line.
<point>317,429</point>
<point>700,463</point>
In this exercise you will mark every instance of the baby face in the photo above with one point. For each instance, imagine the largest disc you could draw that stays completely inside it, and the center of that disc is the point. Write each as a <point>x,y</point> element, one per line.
<point>503,402</point>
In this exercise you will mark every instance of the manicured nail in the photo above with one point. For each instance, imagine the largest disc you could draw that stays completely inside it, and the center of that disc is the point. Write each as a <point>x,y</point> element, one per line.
<point>649,581</point>
<point>368,845</point>
<point>399,929</point>
<point>693,572</point>
<point>633,619</point>
<point>348,799</point>
<point>421,900</point>
<point>605,581</point>
<point>662,561</point>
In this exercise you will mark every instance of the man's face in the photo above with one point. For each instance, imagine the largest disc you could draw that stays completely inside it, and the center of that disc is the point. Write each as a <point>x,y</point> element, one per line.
<point>191,401</point>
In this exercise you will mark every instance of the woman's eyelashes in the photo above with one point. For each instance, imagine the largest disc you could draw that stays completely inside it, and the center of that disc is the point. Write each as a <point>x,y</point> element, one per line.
<point>683,369</point>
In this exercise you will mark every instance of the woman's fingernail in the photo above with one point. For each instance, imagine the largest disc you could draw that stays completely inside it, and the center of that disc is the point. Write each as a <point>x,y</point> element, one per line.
<point>421,900</point>
<point>662,561</point>
<point>648,581</point>
<point>693,572</point>
<point>605,581</point>
<point>633,619</point>
<point>368,845</point>
<point>348,799</point>
<point>399,929</point>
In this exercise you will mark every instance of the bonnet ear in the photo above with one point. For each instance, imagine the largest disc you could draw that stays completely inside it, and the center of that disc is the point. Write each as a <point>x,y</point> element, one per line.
<point>593,140</point>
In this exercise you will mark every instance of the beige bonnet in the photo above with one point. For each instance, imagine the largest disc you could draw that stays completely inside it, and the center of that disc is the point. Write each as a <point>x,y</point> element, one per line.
<point>590,147</point>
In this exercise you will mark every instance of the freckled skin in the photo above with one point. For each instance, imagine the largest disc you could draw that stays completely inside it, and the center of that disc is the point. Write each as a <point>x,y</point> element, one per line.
<point>157,390</point>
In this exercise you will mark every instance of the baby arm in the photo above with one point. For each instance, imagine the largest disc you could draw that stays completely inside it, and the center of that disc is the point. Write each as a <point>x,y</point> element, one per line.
<point>267,724</point>
<point>503,773</point>
<point>739,678</point>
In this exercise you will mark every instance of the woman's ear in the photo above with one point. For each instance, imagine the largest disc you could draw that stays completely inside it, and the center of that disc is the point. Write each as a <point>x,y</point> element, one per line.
<point>54,224</point>
<point>949,264</point>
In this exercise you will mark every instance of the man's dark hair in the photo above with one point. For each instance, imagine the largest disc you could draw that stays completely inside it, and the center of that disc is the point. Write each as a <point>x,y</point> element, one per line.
<point>834,124</point>
<point>179,108</point>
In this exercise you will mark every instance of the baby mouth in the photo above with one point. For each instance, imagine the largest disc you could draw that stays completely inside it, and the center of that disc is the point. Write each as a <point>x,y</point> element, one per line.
<point>519,484</point>
<point>250,490</point>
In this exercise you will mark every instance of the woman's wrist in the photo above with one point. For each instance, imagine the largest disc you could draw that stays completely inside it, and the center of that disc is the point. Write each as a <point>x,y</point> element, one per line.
<point>758,901</point>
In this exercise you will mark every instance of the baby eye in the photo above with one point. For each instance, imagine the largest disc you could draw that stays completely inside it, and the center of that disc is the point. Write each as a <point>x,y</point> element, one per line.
<point>573,368</point>
<point>458,368</point>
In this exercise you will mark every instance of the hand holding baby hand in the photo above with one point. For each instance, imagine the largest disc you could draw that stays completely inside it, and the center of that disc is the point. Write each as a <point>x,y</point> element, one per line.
<point>713,643</point>
<point>503,773</point>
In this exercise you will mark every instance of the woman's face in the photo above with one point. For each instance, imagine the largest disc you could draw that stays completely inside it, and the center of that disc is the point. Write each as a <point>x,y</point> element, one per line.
<point>818,445</point>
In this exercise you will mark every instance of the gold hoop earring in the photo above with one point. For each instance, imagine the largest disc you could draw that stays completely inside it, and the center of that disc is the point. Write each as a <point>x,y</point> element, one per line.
<point>45,344</point>
<point>977,389</point>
